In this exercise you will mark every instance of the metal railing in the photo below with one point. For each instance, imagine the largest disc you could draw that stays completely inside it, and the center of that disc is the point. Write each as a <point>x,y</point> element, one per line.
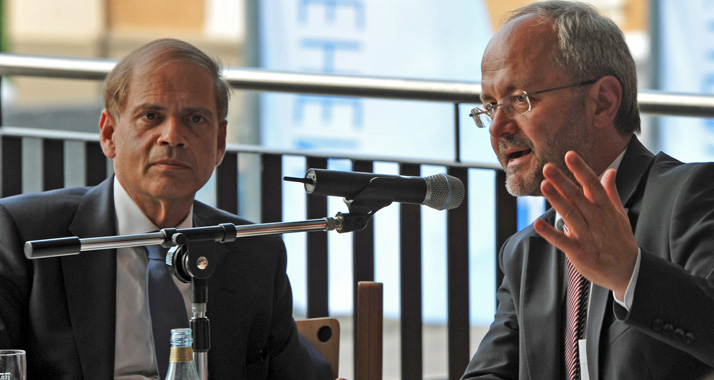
<point>652,102</point>
<point>227,177</point>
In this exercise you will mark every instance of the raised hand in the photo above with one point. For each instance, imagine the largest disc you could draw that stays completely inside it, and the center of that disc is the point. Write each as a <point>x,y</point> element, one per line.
<point>598,239</point>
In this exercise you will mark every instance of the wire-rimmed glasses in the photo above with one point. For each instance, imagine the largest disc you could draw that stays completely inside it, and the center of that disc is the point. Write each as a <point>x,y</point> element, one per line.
<point>513,105</point>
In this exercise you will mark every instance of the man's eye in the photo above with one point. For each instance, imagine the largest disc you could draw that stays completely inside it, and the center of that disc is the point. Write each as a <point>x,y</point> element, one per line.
<point>150,116</point>
<point>520,99</point>
<point>490,107</point>
<point>196,118</point>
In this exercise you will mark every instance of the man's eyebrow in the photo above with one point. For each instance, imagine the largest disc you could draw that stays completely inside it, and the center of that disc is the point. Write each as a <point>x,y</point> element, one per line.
<point>511,88</point>
<point>148,107</point>
<point>156,107</point>
<point>202,110</point>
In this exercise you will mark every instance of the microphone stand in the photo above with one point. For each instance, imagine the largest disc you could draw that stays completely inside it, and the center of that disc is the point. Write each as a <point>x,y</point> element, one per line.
<point>185,266</point>
<point>195,265</point>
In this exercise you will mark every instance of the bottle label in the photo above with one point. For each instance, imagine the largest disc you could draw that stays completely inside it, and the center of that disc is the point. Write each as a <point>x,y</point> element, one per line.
<point>181,354</point>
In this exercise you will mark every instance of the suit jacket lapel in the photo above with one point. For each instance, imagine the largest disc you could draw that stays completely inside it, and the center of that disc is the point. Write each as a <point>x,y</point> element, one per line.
<point>90,297</point>
<point>630,181</point>
<point>632,171</point>
<point>542,265</point>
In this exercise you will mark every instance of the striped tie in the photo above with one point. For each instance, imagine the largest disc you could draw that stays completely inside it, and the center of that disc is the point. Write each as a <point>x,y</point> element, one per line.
<point>576,312</point>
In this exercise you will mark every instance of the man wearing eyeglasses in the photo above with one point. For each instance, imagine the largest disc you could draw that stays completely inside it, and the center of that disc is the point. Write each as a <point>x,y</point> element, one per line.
<point>617,280</point>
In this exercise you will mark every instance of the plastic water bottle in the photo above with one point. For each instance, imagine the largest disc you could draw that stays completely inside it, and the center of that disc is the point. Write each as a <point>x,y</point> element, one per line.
<point>181,364</point>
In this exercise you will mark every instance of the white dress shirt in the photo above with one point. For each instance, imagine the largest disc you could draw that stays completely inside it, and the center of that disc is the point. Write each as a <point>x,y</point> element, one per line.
<point>134,350</point>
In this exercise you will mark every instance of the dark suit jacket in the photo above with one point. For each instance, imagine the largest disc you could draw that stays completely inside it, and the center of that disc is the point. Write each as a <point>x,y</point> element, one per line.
<point>62,310</point>
<point>668,333</point>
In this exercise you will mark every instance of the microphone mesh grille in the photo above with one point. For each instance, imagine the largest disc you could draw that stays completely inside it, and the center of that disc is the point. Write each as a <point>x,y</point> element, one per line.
<point>444,192</point>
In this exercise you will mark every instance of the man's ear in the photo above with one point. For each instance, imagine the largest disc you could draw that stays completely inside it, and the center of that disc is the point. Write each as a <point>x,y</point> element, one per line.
<point>221,141</point>
<point>107,126</point>
<point>607,93</point>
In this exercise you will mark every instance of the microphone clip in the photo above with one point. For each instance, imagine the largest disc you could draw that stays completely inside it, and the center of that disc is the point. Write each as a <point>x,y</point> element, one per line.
<point>371,198</point>
<point>364,205</point>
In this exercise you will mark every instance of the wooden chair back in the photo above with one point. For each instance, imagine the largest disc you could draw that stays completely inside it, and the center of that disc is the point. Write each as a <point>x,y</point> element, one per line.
<point>324,333</point>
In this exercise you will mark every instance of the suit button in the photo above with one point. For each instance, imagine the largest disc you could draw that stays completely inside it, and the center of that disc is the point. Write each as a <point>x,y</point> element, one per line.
<point>679,334</point>
<point>657,325</point>
<point>688,338</point>
<point>668,329</point>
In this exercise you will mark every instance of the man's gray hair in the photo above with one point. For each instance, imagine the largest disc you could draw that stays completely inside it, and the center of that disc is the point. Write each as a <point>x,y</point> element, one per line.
<point>591,46</point>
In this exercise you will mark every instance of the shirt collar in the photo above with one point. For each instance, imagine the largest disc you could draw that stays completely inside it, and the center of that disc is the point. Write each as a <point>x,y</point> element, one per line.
<point>131,220</point>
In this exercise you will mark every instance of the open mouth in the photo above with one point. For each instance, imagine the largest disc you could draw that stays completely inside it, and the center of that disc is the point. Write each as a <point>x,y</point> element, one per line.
<point>518,154</point>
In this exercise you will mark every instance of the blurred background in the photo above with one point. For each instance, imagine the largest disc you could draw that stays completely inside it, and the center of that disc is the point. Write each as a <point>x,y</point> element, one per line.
<point>442,40</point>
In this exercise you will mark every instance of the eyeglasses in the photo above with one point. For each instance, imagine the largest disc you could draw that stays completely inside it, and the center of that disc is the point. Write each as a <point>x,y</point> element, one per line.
<point>513,105</point>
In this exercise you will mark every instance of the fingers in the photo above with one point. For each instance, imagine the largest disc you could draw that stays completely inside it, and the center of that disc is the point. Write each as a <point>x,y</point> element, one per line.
<point>569,198</point>
<point>554,237</point>
<point>600,243</point>
<point>579,204</point>
<point>589,181</point>
<point>608,182</point>
<point>560,192</point>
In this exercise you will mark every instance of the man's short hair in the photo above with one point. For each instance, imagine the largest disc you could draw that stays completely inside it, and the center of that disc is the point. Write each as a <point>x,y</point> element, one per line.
<point>591,46</point>
<point>155,55</point>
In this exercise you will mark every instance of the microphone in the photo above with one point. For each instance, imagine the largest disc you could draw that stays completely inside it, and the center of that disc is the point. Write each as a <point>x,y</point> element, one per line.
<point>439,191</point>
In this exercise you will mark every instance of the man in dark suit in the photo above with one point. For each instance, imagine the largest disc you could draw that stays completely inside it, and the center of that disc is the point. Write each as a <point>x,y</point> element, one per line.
<point>86,316</point>
<point>625,289</point>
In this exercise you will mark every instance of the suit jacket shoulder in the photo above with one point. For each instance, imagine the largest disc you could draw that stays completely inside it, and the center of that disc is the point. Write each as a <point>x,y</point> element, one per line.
<point>66,302</point>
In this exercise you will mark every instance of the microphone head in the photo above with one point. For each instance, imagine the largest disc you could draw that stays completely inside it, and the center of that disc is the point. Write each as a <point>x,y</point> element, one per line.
<point>443,192</point>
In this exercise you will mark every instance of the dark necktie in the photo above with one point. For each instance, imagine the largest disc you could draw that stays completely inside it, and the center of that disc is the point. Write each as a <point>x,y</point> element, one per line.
<point>576,313</point>
<point>166,305</point>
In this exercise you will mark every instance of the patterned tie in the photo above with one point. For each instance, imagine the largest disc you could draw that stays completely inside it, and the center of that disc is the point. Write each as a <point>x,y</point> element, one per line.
<point>576,312</point>
<point>166,305</point>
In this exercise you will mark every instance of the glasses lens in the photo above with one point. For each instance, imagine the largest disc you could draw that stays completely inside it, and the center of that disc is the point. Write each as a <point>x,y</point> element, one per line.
<point>516,105</point>
<point>519,105</point>
<point>513,106</point>
<point>480,117</point>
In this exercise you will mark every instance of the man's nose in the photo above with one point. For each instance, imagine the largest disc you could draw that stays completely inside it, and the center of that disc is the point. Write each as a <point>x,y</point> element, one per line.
<point>172,133</point>
<point>501,124</point>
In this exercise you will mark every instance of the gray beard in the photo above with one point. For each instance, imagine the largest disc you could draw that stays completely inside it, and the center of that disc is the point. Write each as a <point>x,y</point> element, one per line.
<point>521,187</point>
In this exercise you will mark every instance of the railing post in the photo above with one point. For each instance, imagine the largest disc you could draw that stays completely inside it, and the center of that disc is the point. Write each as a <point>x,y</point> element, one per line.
<point>457,134</point>
<point>53,164</point>
<point>411,283</point>
<point>227,183</point>
<point>458,282</point>
<point>11,165</point>
<point>272,188</point>
<point>2,47</point>
<point>506,217</point>
<point>95,164</point>
<point>317,264</point>
<point>362,256</point>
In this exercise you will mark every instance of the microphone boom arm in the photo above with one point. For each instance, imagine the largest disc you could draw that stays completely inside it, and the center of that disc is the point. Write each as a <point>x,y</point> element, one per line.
<point>227,232</point>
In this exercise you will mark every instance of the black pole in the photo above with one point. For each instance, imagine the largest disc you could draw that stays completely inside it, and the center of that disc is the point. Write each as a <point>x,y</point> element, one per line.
<point>2,48</point>
<point>457,134</point>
